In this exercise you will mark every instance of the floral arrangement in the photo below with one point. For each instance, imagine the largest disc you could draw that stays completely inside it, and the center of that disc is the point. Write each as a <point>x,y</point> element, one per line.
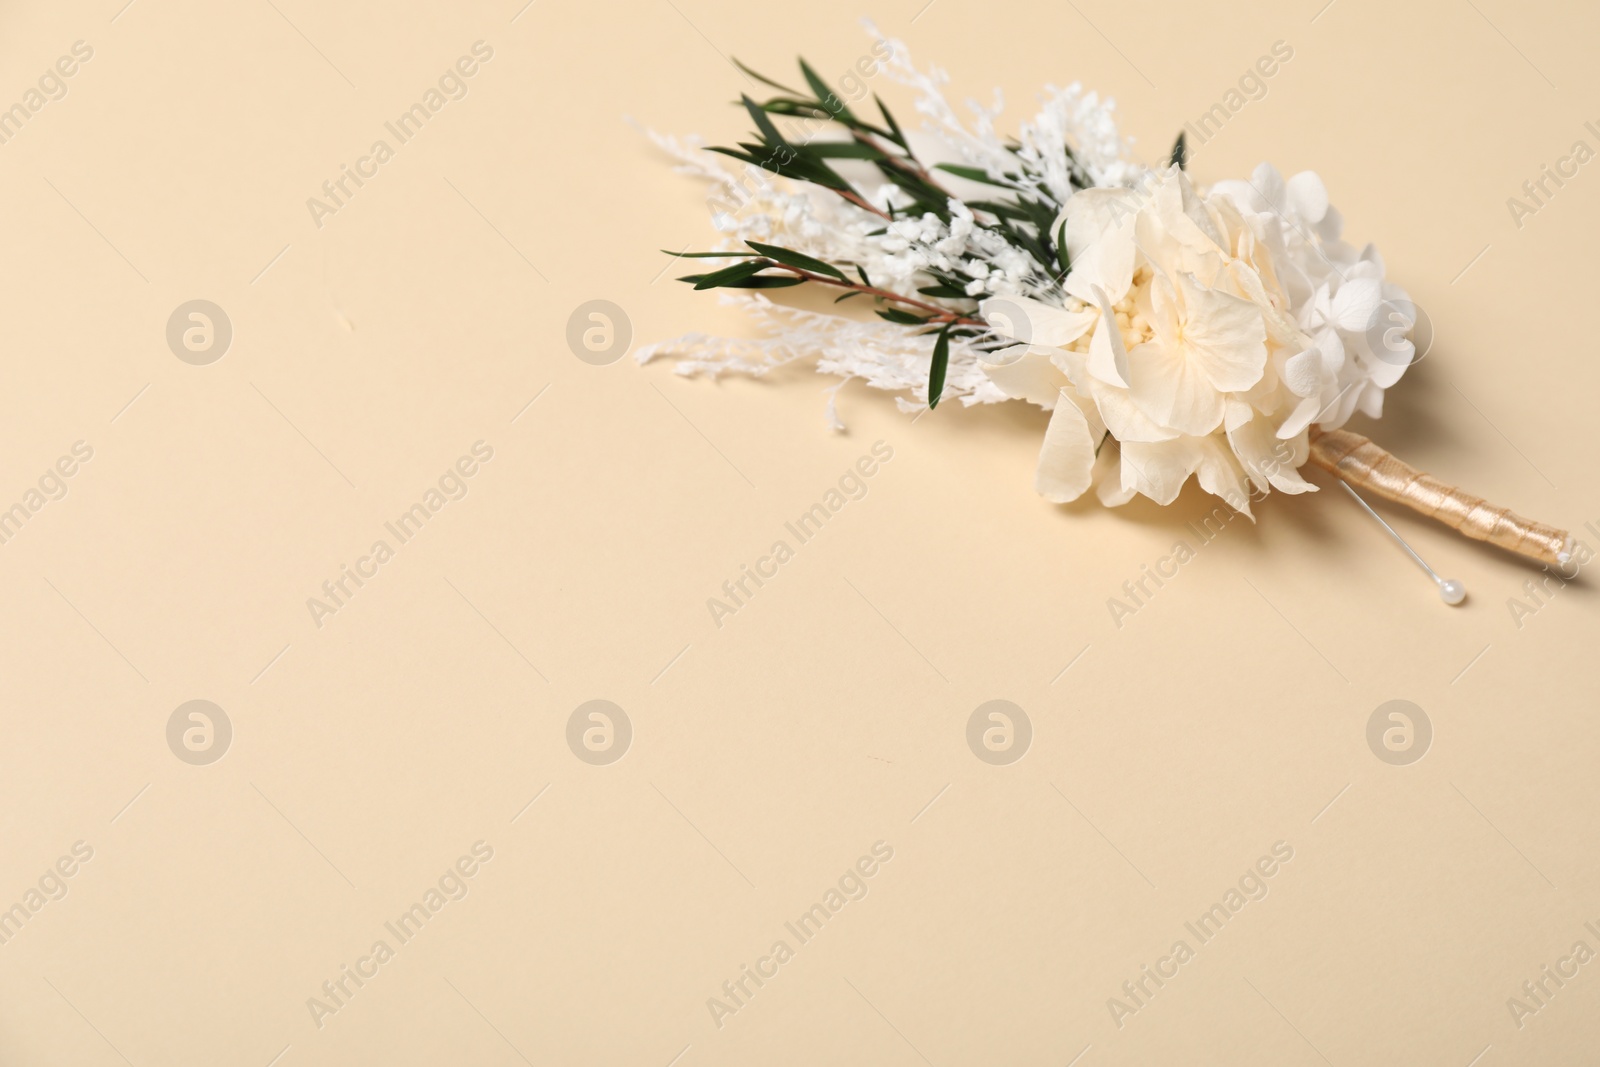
<point>1223,332</point>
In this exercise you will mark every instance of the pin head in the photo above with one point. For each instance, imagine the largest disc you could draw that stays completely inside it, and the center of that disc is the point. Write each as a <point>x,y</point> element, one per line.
<point>1451,591</point>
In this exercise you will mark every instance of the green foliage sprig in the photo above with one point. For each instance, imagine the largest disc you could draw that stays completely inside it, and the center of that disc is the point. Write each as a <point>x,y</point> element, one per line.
<point>1021,212</point>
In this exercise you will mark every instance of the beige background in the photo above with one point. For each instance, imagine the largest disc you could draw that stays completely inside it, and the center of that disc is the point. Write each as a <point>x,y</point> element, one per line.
<point>829,714</point>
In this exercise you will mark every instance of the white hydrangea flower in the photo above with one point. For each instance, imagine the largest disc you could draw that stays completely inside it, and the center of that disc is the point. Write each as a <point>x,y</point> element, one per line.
<point>1206,333</point>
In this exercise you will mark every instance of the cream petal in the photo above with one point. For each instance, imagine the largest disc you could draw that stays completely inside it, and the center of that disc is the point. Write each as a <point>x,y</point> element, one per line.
<point>1332,224</point>
<point>1184,213</point>
<point>1268,459</point>
<point>1371,401</point>
<point>1159,470</point>
<point>1112,493</point>
<point>1269,188</point>
<point>1066,459</point>
<point>1241,193</point>
<point>1237,413</point>
<point>1158,303</point>
<point>1091,415</point>
<point>1026,372</point>
<point>1099,234</point>
<point>1123,417</point>
<point>1224,337</point>
<point>1302,372</point>
<point>1300,417</point>
<point>1035,322</point>
<point>1317,309</point>
<point>1108,357</point>
<point>1220,474</point>
<point>1355,305</point>
<point>1338,409</point>
<point>1075,365</point>
<point>1332,348</point>
<point>1388,367</point>
<point>1173,390</point>
<point>1308,196</point>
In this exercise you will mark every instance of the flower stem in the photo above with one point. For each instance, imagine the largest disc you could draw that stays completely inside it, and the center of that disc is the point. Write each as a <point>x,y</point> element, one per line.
<point>940,314</point>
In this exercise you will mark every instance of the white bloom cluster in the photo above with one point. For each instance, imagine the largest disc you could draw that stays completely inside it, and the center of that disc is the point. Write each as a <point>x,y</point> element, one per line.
<point>1206,334</point>
<point>908,249</point>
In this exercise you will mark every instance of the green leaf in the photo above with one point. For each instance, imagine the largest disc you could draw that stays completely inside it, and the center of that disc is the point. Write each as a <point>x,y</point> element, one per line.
<point>902,318</point>
<point>728,275</point>
<point>929,198</point>
<point>763,281</point>
<point>1061,247</point>
<point>947,292</point>
<point>743,157</point>
<point>782,105</point>
<point>763,123</point>
<point>1180,151</point>
<point>823,93</point>
<point>767,281</point>
<point>1000,210</point>
<point>847,296</point>
<point>972,174</point>
<point>895,133</point>
<point>764,79</point>
<point>844,150</point>
<point>791,258</point>
<point>941,363</point>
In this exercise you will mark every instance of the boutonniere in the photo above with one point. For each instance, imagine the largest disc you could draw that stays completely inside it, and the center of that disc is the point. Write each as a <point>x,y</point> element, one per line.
<point>1173,329</point>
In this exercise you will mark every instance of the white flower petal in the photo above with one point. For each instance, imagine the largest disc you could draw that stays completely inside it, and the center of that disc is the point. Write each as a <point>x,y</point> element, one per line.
<point>1388,365</point>
<point>1269,187</point>
<point>1173,391</point>
<point>1237,413</point>
<point>1268,459</point>
<point>1108,357</point>
<point>1066,460</point>
<point>1159,470</point>
<point>1220,474</point>
<point>1371,401</point>
<point>1158,303</point>
<point>1300,417</point>
<point>1035,322</point>
<point>1331,346</point>
<point>1124,419</point>
<point>1026,372</point>
<point>1224,337</point>
<point>1302,372</point>
<point>1332,225</point>
<point>1098,232</point>
<point>1241,194</point>
<point>1308,196</point>
<point>1355,305</point>
<point>1112,493</point>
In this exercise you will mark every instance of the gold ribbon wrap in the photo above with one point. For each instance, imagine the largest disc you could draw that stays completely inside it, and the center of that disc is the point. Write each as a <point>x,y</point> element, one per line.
<point>1368,466</point>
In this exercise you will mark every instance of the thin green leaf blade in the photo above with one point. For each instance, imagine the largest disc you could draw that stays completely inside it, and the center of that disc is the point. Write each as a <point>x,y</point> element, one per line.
<point>727,276</point>
<point>791,258</point>
<point>763,123</point>
<point>764,79</point>
<point>823,93</point>
<point>941,363</point>
<point>972,174</point>
<point>895,133</point>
